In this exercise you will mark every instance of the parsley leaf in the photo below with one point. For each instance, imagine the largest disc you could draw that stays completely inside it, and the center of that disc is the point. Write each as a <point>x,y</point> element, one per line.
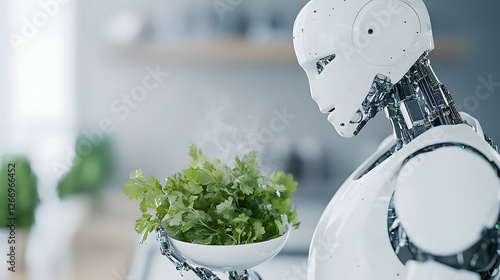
<point>214,204</point>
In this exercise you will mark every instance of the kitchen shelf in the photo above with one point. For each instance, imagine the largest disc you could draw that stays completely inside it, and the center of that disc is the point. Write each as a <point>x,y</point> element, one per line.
<point>213,52</point>
<point>238,51</point>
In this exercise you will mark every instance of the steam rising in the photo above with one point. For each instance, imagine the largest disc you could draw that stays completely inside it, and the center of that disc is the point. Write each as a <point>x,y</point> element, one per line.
<point>228,131</point>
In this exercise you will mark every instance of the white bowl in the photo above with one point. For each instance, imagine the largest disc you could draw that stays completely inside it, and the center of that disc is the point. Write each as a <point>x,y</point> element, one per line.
<point>230,257</point>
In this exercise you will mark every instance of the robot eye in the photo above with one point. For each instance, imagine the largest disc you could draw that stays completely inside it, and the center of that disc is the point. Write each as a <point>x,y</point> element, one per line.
<point>323,62</point>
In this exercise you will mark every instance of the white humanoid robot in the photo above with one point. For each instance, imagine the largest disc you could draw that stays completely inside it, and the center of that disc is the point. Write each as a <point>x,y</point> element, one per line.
<point>426,204</point>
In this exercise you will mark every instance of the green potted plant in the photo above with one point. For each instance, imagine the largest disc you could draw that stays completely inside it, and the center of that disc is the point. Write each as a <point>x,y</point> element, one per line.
<point>90,173</point>
<point>18,202</point>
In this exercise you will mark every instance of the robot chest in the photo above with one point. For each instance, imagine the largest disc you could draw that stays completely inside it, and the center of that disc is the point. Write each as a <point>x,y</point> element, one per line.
<point>352,238</point>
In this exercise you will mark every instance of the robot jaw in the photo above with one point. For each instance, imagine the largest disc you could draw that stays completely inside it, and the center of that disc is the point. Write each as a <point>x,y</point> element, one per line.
<point>343,45</point>
<point>415,104</point>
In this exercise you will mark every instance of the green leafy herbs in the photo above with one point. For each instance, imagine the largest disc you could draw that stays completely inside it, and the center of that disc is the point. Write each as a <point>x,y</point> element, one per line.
<point>213,204</point>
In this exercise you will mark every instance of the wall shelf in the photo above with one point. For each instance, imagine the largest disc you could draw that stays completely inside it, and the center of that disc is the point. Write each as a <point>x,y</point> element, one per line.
<point>238,51</point>
<point>212,52</point>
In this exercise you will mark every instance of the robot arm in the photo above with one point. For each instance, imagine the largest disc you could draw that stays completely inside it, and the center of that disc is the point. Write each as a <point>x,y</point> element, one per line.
<point>447,202</point>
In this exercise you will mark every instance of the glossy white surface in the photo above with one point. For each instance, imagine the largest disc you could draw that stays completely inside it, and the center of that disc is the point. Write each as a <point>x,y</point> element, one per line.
<point>149,264</point>
<point>351,240</point>
<point>464,201</point>
<point>433,270</point>
<point>368,38</point>
<point>233,257</point>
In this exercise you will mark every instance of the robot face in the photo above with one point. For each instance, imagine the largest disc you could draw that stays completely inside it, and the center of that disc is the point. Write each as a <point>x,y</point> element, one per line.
<point>342,45</point>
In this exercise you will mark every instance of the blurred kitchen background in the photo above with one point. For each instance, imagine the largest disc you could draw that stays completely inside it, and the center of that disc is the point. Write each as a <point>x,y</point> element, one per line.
<point>91,90</point>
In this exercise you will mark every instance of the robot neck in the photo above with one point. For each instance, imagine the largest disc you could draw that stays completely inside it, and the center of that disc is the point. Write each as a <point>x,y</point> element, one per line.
<point>414,105</point>
<point>420,103</point>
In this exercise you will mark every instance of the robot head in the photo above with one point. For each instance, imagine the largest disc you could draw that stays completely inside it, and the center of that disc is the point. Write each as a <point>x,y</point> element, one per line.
<point>344,44</point>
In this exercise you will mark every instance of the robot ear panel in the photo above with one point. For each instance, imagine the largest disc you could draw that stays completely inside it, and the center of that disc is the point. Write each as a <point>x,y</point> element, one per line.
<point>323,62</point>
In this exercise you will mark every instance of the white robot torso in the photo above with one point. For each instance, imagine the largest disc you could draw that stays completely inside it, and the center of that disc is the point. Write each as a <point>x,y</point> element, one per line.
<point>352,239</point>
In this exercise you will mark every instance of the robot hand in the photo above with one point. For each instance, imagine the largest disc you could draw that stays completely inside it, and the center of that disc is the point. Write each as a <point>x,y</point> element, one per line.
<point>190,272</point>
